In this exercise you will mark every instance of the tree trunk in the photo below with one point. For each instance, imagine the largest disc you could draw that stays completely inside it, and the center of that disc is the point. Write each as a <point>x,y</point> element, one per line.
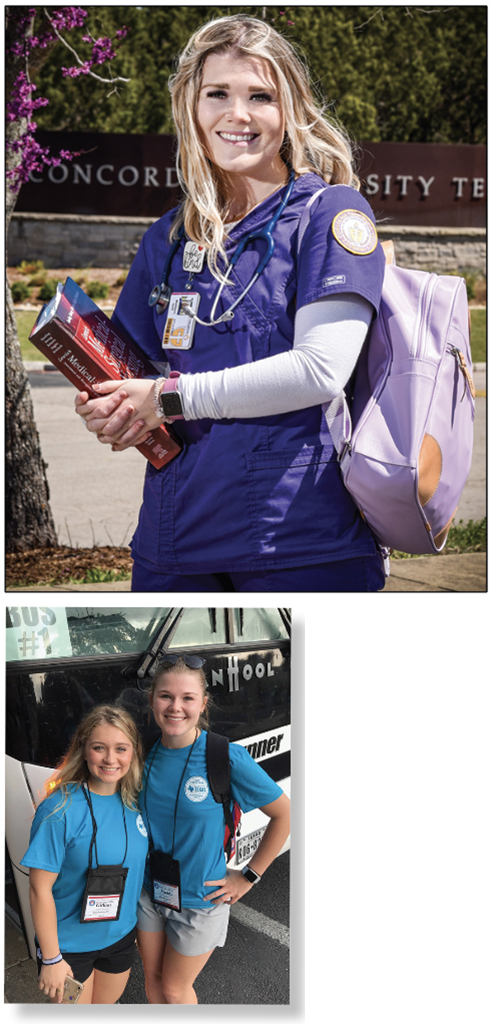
<point>28,517</point>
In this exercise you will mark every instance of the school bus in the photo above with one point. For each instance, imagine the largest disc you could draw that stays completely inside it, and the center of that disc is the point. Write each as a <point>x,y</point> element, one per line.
<point>62,661</point>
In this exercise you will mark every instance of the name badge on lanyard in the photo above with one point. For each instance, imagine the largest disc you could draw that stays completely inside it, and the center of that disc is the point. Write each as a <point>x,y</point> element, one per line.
<point>179,326</point>
<point>165,871</point>
<point>165,874</point>
<point>104,893</point>
<point>105,883</point>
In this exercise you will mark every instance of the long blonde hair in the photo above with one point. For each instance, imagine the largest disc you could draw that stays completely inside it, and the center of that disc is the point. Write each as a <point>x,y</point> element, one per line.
<point>312,142</point>
<point>73,770</point>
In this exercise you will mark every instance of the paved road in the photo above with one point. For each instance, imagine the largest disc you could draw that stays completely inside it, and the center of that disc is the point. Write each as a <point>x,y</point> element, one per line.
<point>252,968</point>
<point>96,493</point>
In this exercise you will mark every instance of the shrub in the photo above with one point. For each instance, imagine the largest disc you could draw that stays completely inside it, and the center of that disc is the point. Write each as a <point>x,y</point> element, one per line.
<point>121,279</point>
<point>473,282</point>
<point>30,266</point>
<point>37,280</point>
<point>48,289</point>
<point>97,289</point>
<point>20,291</point>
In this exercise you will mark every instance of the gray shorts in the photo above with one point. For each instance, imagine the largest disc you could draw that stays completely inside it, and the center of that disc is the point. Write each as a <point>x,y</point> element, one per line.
<point>190,931</point>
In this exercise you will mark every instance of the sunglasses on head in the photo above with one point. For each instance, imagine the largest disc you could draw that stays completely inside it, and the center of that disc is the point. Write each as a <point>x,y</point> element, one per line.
<point>191,660</point>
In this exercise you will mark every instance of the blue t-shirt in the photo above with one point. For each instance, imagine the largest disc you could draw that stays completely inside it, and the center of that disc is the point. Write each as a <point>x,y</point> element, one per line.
<point>60,842</point>
<point>262,492</point>
<point>199,833</point>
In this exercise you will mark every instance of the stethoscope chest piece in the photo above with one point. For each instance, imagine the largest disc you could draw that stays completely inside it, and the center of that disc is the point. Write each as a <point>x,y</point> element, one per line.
<point>160,297</point>
<point>193,261</point>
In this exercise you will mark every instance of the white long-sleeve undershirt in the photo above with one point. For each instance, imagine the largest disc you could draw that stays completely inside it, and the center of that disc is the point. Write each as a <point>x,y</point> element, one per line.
<point>329,335</point>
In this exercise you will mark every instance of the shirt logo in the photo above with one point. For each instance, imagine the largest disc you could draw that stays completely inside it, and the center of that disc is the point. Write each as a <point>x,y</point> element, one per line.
<point>196,789</point>
<point>355,232</point>
<point>140,825</point>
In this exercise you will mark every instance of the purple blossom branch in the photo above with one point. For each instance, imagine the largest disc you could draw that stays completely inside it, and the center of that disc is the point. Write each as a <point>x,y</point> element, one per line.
<point>102,51</point>
<point>27,154</point>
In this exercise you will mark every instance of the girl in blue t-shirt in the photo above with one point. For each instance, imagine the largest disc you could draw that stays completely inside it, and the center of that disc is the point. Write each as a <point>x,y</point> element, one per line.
<point>89,817</point>
<point>183,912</point>
<point>247,353</point>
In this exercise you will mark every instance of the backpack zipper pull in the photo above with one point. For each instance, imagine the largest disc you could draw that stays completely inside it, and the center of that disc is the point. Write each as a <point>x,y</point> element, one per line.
<point>460,358</point>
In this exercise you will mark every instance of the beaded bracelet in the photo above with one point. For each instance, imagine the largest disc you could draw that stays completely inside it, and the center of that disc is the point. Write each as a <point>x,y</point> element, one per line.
<point>54,960</point>
<point>157,387</point>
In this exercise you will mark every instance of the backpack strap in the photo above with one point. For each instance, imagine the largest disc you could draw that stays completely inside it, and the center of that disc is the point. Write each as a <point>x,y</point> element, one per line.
<point>219,774</point>
<point>336,412</point>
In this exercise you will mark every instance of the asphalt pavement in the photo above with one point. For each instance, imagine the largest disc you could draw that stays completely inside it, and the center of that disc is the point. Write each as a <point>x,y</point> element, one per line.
<point>251,969</point>
<point>95,494</point>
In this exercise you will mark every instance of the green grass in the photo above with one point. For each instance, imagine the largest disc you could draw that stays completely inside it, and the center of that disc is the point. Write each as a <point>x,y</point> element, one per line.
<point>25,322</point>
<point>478,335</point>
<point>463,539</point>
<point>102,576</point>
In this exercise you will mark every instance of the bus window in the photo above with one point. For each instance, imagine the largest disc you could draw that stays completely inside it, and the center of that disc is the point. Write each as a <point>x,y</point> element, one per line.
<point>34,633</point>
<point>259,624</point>
<point>199,627</point>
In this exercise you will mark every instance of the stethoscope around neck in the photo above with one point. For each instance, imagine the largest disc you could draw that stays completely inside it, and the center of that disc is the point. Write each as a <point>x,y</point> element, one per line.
<point>161,294</point>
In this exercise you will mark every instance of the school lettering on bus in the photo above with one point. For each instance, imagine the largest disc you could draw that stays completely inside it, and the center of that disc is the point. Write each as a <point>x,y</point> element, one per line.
<point>233,673</point>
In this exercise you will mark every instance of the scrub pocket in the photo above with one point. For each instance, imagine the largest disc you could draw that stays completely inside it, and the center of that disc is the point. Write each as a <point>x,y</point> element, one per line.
<point>299,506</point>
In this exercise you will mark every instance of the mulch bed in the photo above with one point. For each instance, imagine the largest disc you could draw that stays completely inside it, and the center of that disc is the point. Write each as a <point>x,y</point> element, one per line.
<point>59,565</point>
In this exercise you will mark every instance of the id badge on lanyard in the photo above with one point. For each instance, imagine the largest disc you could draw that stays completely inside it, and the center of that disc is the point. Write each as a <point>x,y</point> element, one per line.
<point>105,883</point>
<point>165,875</point>
<point>179,327</point>
<point>165,871</point>
<point>104,892</point>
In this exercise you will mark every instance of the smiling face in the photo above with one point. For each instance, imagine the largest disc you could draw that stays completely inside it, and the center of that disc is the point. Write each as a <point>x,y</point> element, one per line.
<point>177,702</point>
<point>240,117</point>
<point>108,753</point>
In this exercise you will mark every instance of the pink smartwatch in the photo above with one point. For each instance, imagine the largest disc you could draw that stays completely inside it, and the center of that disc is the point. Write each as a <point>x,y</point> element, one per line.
<point>170,399</point>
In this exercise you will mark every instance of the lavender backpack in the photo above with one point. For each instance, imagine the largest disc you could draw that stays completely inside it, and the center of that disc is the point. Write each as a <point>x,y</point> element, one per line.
<point>405,444</point>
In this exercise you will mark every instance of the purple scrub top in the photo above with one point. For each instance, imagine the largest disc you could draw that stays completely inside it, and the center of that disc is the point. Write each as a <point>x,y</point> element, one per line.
<point>264,492</point>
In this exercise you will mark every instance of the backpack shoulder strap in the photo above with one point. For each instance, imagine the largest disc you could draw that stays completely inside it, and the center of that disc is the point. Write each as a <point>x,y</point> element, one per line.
<point>218,767</point>
<point>219,774</point>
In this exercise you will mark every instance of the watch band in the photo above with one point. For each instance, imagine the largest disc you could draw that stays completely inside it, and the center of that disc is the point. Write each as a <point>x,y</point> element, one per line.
<point>250,875</point>
<point>170,399</point>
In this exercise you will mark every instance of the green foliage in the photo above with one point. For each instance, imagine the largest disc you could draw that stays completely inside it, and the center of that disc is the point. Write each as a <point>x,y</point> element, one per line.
<point>20,291</point>
<point>462,539</point>
<point>478,335</point>
<point>121,279</point>
<point>48,289</point>
<point>471,279</point>
<point>97,289</point>
<point>37,280</point>
<point>394,74</point>
<point>30,266</point>
<point>25,322</point>
<point>102,576</point>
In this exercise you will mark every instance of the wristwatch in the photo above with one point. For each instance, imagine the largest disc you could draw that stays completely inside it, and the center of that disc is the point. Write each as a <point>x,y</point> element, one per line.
<point>170,399</point>
<point>250,875</point>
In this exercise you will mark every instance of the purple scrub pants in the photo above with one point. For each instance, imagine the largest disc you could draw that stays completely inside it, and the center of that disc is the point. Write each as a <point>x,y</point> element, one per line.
<point>363,574</point>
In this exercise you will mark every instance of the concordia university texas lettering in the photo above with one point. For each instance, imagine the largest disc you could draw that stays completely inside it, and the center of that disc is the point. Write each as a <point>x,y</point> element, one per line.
<point>134,176</point>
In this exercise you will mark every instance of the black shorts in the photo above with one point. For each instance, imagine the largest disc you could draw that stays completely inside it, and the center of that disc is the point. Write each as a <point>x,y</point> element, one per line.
<point>113,959</point>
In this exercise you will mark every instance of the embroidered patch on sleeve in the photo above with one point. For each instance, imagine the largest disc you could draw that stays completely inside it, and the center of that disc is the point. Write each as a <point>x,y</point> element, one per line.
<point>355,232</point>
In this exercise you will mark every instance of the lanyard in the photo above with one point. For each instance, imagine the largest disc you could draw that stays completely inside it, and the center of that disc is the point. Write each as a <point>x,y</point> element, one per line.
<point>177,795</point>
<point>161,294</point>
<point>87,794</point>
